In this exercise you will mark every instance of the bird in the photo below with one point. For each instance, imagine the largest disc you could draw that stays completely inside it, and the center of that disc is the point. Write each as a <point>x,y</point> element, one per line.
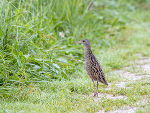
<point>93,67</point>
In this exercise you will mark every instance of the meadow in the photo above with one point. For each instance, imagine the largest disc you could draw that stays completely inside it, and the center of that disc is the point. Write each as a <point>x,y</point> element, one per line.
<point>42,64</point>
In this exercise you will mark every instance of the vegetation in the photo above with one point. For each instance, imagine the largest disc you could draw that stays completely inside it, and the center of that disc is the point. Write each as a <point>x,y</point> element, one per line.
<point>42,65</point>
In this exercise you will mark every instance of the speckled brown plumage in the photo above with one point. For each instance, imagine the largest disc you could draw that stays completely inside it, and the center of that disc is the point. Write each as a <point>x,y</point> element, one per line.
<point>93,68</point>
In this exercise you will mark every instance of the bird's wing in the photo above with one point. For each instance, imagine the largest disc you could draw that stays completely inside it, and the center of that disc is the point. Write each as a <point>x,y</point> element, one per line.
<point>99,72</point>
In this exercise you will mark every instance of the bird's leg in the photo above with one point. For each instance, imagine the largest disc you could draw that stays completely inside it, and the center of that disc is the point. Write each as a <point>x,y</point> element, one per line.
<point>94,88</point>
<point>97,89</point>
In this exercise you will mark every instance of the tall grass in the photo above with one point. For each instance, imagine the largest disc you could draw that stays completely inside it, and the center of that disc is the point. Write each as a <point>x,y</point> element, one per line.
<point>32,47</point>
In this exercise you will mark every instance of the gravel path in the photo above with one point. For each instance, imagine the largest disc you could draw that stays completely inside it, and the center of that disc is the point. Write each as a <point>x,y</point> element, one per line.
<point>129,76</point>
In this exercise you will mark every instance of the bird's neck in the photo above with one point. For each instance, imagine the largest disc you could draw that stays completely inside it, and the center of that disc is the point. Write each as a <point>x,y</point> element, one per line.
<point>88,50</point>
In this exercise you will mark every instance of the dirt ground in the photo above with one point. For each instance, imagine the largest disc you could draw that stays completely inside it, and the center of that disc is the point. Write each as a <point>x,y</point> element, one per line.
<point>129,74</point>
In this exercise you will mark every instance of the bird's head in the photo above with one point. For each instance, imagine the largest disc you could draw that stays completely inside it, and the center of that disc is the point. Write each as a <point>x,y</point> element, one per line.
<point>85,42</point>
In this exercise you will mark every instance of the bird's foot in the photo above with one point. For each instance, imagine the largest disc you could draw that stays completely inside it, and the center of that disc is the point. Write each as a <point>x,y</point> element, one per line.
<point>96,94</point>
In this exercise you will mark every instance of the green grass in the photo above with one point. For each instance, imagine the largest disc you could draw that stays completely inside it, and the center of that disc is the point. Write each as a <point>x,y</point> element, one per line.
<point>44,72</point>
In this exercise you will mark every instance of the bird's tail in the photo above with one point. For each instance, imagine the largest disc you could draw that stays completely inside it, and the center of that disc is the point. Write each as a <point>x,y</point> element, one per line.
<point>105,83</point>
<point>103,80</point>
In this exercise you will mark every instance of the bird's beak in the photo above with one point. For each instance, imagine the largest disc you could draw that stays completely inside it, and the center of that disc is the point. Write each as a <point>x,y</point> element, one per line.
<point>79,42</point>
